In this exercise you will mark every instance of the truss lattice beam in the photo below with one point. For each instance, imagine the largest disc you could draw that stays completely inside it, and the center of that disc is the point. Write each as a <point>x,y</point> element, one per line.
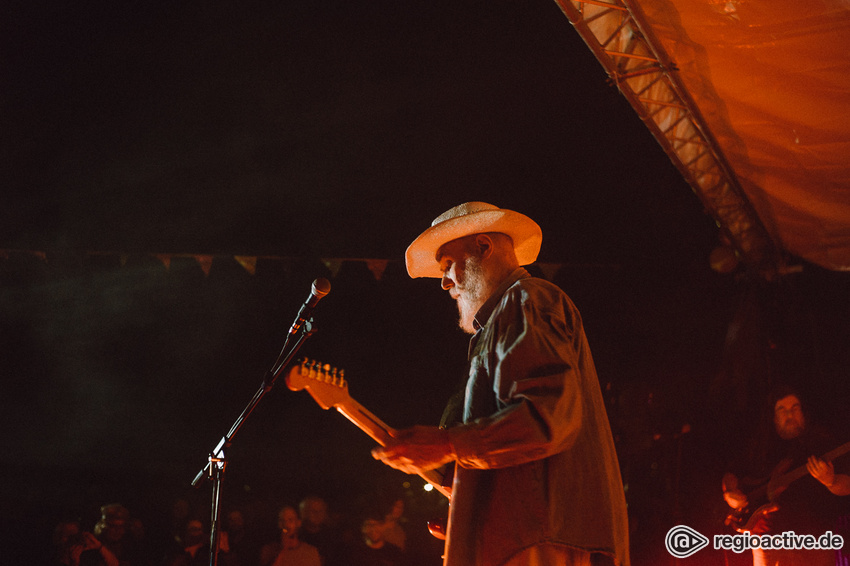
<point>619,37</point>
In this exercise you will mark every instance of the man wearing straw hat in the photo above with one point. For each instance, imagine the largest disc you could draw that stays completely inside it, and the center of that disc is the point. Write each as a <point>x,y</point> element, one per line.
<point>536,477</point>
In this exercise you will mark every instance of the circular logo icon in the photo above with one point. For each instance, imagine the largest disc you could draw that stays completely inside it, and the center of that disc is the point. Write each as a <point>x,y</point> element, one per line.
<point>682,541</point>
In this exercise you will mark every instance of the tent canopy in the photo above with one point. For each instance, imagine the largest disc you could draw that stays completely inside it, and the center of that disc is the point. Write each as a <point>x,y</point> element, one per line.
<point>751,101</point>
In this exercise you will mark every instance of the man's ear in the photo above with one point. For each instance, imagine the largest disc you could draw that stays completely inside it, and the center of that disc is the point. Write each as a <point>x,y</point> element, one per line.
<point>484,243</point>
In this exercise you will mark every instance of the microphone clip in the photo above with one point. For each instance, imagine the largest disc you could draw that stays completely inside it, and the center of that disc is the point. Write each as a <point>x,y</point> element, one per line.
<point>301,329</point>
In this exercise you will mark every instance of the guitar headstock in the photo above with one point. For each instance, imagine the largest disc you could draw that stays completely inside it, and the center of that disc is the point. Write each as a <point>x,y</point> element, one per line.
<point>325,383</point>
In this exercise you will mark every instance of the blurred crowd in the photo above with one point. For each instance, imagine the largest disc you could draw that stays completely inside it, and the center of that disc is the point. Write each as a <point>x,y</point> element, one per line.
<point>306,534</point>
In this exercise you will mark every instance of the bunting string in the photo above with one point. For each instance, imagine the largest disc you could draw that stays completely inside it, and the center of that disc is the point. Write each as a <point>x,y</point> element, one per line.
<point>249,262</point>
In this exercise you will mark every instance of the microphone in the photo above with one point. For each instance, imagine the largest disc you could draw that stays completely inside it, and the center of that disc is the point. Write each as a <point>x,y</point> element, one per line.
<point>319,289</point>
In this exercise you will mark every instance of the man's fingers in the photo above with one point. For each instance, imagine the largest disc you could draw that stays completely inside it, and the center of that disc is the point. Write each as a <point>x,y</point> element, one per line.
<point>388,453</point>
<point>817,466</point>
<point>394,460</point>
<point>382,452</point>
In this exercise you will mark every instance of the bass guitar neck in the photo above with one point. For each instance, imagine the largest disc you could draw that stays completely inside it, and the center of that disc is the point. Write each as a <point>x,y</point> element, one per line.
<point>743,519</point>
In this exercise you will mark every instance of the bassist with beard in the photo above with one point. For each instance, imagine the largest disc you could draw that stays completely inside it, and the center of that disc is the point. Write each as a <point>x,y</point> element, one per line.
<point>808,505</point>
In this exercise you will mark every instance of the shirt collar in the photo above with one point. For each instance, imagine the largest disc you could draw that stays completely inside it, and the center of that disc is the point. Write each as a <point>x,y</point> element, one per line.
<point>483,314</point>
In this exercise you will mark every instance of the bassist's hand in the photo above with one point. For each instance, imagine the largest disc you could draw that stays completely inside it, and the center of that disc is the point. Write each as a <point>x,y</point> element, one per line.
<point>735,498</point>
<point>821,470</point>
<point>416,449</point>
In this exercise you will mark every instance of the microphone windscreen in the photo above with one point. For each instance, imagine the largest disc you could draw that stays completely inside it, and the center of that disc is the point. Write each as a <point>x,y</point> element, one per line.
<point>321,287</point>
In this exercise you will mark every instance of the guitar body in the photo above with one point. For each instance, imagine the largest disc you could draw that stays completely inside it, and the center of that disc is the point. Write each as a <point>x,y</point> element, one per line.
<point>736,518</point>
<point>745,518</point>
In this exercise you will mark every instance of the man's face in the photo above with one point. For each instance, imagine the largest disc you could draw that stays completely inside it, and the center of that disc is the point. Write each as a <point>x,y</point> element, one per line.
<point>288,521</point>
<point>115,530</point>
<point>235,521</point>
<point>788,417</point>
<point>373,531</point>
<point>314,513</point>
<point>463,278</point>
<point>194,533</point>
<point>397,509</point>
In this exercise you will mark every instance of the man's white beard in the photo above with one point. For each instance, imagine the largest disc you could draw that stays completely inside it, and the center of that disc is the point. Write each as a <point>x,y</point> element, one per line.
<point>470,297</point>
<point>467,314</point>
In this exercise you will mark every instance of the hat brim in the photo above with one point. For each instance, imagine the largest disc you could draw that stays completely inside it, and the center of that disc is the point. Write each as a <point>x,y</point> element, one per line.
<point>421,255</point>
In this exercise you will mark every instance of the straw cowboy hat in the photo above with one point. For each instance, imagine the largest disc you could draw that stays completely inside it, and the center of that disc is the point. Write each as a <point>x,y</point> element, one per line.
<point>467,219</point>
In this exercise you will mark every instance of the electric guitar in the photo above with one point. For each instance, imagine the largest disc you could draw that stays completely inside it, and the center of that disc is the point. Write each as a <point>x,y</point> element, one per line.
<point>744,519</point>
<point>327,385</point>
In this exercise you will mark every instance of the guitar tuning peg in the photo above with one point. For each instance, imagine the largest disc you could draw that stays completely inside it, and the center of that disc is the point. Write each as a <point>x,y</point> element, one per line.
<point>334,378</point>
<point>341,378</point>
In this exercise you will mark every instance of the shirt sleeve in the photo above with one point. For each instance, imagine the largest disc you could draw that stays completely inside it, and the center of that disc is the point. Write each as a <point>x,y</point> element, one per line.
<point>534,364</point>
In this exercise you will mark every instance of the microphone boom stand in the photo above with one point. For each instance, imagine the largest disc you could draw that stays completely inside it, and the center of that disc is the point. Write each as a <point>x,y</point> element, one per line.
<point>217,463</point>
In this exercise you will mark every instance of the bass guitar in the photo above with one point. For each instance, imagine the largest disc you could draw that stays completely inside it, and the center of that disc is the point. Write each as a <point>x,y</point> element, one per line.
<point>745,518</point>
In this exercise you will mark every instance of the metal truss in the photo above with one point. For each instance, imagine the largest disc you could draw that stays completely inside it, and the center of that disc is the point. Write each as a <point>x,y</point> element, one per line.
<point>636,62</point>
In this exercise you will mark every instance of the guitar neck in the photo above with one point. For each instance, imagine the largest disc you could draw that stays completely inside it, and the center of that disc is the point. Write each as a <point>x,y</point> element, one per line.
<point>366,421</point>
<point>328,387</point>
<point>786,479</point>
<point>382,434</point>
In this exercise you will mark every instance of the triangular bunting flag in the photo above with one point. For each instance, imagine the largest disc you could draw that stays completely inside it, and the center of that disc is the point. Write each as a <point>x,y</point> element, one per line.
<point>333,265</point>
<point>377,267</point>
<point>205,261</point>
<point>248,262</point>
<point>165,259</point>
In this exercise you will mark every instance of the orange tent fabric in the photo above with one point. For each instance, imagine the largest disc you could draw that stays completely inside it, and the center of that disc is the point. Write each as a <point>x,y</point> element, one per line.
<point>771,79</point>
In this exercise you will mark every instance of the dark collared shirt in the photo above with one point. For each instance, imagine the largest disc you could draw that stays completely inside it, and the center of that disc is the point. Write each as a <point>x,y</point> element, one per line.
<point>536,461</point>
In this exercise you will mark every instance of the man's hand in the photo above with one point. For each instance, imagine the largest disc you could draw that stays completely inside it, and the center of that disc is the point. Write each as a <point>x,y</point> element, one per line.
<point>416,450</point>
<point>90,542</point>
<point>734,497</point>
<point>821,470</point>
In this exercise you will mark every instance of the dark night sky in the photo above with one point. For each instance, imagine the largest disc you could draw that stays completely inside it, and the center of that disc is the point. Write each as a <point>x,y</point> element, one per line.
<point>334,129</point>
<point>306,130</point>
